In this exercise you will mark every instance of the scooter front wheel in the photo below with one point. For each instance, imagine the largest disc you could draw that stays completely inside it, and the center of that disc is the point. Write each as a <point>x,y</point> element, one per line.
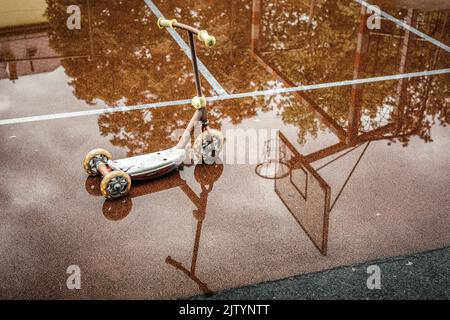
<point>208,145</point>
<point>91,159</point>
<point>115,184</point>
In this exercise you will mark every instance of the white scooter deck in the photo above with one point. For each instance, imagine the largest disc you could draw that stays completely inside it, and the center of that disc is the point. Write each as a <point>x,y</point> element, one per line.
<point>150,165</point>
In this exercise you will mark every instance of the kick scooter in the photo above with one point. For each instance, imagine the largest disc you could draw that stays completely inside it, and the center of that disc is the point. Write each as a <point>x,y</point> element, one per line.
<point>117,174</point>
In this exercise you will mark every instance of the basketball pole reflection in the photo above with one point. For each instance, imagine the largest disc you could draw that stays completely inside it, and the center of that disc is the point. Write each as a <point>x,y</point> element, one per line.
<point>293,175</point>
<point>205,175</point>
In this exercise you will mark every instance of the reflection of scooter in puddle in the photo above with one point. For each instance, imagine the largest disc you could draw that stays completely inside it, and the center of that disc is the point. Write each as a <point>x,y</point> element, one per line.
<point>117,174</point>
<point>205,175</point>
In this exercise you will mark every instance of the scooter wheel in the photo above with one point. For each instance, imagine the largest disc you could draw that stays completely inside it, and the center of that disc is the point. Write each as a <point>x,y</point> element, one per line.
<point>115,184</point>
<point>208,146</point>
<point>91,159</point>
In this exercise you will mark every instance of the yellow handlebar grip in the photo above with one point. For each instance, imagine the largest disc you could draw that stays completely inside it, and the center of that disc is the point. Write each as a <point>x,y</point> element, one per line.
<point>206,38</point>
<point>199,102</point>
<point>165,23</point>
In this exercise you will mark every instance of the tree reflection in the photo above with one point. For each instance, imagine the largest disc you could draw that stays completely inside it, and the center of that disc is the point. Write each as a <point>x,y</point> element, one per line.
<point>325,52</point>
<point>132,62</point>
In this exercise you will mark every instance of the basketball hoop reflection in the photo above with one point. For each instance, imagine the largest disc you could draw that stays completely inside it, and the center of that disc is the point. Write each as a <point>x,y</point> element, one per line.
<point>301,189</point>
<point>272,166</point>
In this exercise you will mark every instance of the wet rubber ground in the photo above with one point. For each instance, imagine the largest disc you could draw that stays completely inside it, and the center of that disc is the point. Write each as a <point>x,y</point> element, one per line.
<point>381,147</point>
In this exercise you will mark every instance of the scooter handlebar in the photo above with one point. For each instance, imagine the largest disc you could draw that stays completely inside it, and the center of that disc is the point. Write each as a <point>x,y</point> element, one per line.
<point>202,35</point>
<point>206,38</point>
<point>166,23</point>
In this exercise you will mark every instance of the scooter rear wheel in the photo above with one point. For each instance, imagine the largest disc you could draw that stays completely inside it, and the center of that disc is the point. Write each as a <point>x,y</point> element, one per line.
<point>208,147</point>
<point>91,159</point>
<point>115,184</point>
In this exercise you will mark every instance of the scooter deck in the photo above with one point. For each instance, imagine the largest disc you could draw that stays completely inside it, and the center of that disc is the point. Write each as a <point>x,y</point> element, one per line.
<point>151,164</point>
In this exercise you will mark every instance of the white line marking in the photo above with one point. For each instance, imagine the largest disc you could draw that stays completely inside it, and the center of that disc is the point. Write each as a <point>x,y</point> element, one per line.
<point>94,112</point>
<point>223,97</point>
<point>183,45</point>
<point>408,27</point>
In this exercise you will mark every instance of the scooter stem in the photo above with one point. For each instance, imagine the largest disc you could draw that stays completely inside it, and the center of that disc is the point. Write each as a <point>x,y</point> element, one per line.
<point>200,114</point>
<point>195,64</point>
<point>186,137</point>
<point>204,116</point>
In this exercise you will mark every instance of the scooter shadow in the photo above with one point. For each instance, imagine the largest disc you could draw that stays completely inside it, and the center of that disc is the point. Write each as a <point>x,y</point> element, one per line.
<point>205,175</point>
<point>119,209</point>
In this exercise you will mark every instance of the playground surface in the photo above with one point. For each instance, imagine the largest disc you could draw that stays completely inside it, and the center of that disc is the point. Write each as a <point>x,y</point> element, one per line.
<point>360,117</point>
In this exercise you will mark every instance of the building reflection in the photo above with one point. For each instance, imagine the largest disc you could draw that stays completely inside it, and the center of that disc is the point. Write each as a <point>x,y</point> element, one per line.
<point>26,42</point>
<point>23,39</point>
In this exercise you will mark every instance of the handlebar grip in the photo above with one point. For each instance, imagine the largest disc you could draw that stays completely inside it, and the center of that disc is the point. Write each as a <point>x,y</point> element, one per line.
<point>206,38</point>
<point>199,102</point>
<point>166,23</point>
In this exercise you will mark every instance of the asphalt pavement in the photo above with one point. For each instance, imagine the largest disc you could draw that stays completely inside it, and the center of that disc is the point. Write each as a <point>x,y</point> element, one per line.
<point>420,276</point>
